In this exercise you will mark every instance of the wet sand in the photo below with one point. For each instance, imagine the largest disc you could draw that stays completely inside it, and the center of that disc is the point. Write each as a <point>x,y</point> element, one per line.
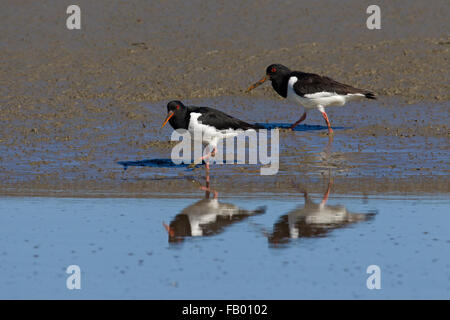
<point>74,103</point>
<point>381,152</point>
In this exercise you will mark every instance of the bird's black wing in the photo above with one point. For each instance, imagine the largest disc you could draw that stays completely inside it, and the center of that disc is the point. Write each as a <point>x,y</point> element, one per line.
<point>221,120</point>
<point>309,83</point>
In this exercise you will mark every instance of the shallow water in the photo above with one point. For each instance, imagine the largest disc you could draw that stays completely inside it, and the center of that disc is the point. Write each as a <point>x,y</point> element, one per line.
<point>287,247</point>
<point>375,145</point>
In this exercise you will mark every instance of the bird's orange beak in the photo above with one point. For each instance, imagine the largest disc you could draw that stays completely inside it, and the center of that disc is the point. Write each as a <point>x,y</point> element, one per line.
<point>257,84</point>
<point>169,230</point>
<point>169,115</point>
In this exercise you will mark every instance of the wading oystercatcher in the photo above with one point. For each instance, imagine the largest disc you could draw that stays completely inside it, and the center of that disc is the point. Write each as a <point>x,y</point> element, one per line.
<point>310,90</point>
<point>207,217</point>
<point>213,125</point>
<point>314,220</point>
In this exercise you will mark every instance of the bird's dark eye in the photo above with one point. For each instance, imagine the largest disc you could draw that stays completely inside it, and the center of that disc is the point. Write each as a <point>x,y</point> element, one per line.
<point>274,70</point>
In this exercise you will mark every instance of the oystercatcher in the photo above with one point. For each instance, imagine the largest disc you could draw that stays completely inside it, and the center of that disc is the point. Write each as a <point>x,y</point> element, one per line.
<point>207,217</point>
<point>213,125</point>
<point>314,220</point>
<point>310,90</point>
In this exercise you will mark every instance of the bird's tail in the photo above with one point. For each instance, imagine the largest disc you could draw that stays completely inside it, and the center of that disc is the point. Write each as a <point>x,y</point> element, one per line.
<point>370,95</point>
<point>257,126</point>
<point>259,210</point>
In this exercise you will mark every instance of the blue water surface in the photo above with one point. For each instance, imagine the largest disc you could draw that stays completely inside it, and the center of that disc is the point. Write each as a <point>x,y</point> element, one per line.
<point>123,250</point>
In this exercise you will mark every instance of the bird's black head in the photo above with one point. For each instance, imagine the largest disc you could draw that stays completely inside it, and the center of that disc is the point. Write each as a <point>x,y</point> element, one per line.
<point>175,106</point>
<point>277,73</point>
<point>276,70</point>
<point>178,229</point>
<point>176,115</point>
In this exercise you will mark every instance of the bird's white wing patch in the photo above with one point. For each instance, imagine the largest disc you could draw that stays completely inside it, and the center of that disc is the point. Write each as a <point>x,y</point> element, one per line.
<point>322,94</point>
<point>291,92</point>
<point>210,135</point>
<point>207,134</point>
<point>196,125</point>
<point>322,98</point>
<point>294,97</point>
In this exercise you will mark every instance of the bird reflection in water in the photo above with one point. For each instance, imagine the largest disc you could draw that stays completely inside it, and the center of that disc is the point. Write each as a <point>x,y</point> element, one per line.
<point>206,217</point>
<point>314,220</point>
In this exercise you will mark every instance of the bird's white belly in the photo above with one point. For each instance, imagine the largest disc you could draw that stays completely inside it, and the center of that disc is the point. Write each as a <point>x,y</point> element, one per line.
<point>208,214</point>
<point>327,216</point>
<point>205,133</point>
<point>295,98</point>
<point>323,98</point>
<point>314,100</point>
<point>197,222</point>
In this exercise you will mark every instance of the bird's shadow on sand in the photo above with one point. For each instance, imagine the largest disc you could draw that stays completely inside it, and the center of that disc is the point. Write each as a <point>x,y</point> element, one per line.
<point>153,163</point>
<point>300,127</point>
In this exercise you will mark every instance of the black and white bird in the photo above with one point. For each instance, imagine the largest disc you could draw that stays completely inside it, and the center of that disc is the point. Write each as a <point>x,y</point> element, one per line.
<point>310,90</point>
<point>207,217</point>
<point>314,220</point>
<point>213,125</point>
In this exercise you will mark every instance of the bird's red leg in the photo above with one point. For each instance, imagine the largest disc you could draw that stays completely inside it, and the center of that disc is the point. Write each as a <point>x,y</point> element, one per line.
<point>206,159</point>
<point>206,156</point>
<point>203,158</point>
<point>330,131</point>
<point>207,172</point>
<point>208,190</point>
<point>210,154</point>
<point>298,121</point>
<point>327,193</point>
